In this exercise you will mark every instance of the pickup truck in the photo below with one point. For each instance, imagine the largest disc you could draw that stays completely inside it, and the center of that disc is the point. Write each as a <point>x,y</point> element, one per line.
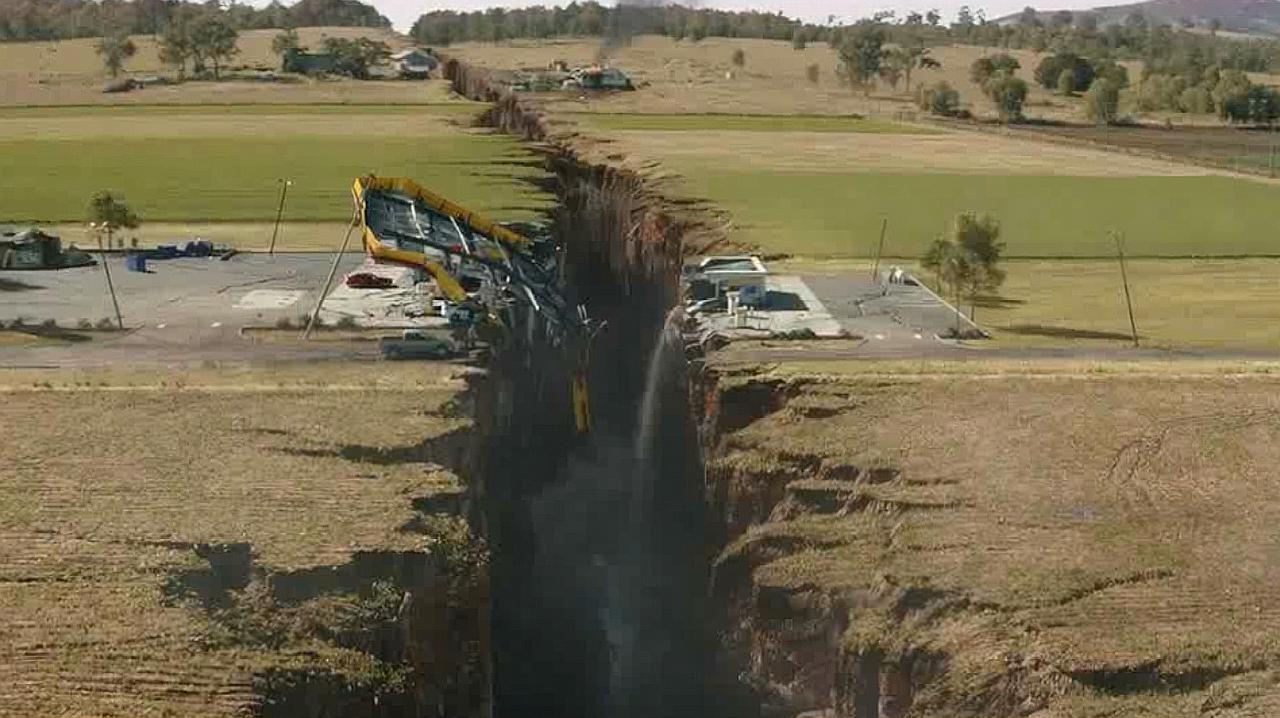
<point>416,344</point>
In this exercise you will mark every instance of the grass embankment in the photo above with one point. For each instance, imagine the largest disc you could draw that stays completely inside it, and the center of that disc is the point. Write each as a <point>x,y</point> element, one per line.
<point>1088,530</point>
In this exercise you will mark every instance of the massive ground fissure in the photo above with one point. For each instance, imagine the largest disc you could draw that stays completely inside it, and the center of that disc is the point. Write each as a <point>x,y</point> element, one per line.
<point>599,554</point>
<point>600,545</point>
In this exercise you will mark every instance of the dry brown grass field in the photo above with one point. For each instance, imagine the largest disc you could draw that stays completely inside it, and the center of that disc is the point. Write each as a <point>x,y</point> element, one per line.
<point>689,77</point>
<point>153,123</point>
<point>1084,531</point>
<point>108,479</point>
<point>70,72</point>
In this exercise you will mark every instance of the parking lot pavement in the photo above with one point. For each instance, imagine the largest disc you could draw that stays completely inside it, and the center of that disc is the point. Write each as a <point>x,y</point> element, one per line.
<point>896,313</point>
<point>190,295</point>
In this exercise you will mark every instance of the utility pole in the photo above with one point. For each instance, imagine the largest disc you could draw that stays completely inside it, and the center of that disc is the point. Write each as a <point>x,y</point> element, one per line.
<point>106,267</point>
<point>324,289</point>
<point>284,190</point>
<point>1272,154</point>
<point>1124,277</point>
<point>875,268</point>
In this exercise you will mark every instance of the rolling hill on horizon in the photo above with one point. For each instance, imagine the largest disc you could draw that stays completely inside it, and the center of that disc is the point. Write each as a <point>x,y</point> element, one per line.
<point>1248,16</point>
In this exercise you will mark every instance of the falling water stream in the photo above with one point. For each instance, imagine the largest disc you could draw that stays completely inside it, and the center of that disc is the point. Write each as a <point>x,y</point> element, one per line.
<point>618,574</point>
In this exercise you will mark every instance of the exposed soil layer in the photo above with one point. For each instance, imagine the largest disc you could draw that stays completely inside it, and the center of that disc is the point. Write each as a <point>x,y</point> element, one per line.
<point>965,547</point>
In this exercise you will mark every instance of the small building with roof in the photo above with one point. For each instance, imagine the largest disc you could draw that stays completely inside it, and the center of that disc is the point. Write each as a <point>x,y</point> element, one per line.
<point>414,63</point>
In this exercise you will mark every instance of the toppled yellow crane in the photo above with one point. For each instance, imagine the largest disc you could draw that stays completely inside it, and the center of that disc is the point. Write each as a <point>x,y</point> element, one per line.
<point>488,273</point>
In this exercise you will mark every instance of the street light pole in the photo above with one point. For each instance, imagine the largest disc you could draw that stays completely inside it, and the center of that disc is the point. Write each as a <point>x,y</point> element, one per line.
<point>284,190</point>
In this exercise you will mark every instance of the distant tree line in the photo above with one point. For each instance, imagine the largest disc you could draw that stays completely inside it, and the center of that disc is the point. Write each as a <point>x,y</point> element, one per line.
<point>1079,33</point>
<point>591,19</point>
<point>62,19</point>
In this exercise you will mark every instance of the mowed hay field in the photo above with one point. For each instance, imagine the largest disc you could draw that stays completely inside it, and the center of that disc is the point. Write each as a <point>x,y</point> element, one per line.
<point>223,163</point>
<point>1074,543</point>
<point>107,599</point>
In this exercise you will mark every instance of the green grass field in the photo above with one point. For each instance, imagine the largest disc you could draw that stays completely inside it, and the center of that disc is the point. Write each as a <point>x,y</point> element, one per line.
<point>827,214</point>
<point>743,123</point>
<point>234,178</point>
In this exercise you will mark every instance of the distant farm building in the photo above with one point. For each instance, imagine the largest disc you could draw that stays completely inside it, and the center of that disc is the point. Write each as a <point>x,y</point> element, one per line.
<point>308,63</point>
<point>30,248</point>
<point>415,64</point>
<point>602,78</point>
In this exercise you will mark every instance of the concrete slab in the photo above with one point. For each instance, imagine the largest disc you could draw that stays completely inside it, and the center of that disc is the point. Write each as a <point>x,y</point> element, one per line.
<point>881,311</point>
<point>178,293</point>
<point>793,308</point>
<point>203,294</point>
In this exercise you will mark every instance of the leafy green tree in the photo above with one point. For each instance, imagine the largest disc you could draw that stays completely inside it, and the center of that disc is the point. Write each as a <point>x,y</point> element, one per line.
<point>1196,100</point>
<point>214,39</point>
<point>861,53</point>
<point>176,46</point>
<point>909,56</point>
<point>355,57</point>
<point>1231,96</point>
<point>967,260</point>
<point>115,49</point>
<point>698,31</point>
<point>940,99</point>
<point>1264,104</point>
<point>798,41</point>
<point>285,41</point>
<point>1102,102</point>
<point>984,68</point>
<point>110,213</point>
<point>891,68</point>
<point>1066,83</point>
<point>1051,67</point>
<point>1112,71</point>
<point>1008,93</point>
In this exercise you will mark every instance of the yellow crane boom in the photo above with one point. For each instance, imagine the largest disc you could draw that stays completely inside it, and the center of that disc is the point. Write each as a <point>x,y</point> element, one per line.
<point>404,223</point>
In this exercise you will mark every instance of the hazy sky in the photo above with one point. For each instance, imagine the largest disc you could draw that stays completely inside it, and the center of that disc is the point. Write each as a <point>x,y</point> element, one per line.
<point>404,12</point>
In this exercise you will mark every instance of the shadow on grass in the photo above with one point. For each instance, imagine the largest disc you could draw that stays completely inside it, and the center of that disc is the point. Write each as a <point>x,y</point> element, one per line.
<point>1042,330</point>
<point>994,302</point>
<point>449,450</point>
